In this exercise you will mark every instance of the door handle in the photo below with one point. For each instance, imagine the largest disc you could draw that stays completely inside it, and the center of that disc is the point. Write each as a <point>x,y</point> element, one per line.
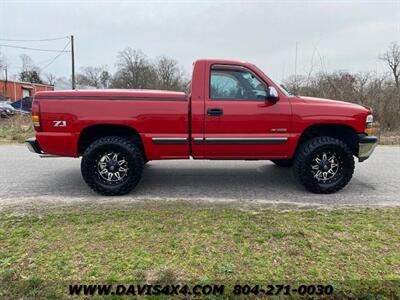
<point>215,112</point>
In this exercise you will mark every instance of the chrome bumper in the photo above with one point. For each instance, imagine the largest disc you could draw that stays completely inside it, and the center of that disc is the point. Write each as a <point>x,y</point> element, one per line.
<point>366,145</point>
<point>33,146</point>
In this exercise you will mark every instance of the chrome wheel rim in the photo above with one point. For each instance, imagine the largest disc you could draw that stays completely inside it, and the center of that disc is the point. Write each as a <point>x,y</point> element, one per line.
<point>112,167</point>
<point>325,166</point>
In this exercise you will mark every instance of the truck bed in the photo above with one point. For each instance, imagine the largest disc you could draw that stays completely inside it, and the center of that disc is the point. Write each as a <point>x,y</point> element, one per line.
<point>156,115</point>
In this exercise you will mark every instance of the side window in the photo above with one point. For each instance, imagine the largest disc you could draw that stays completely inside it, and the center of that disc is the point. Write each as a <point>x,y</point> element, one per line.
<point>258,88</point>
<point>236,85</point>
<point>223,85</point>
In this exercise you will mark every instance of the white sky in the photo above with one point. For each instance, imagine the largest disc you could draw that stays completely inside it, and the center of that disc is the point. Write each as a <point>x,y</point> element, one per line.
<point>345,35</point>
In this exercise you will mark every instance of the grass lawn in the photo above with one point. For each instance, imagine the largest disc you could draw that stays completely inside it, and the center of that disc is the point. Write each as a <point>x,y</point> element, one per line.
<point>16,129</point>
<point>357,251</point>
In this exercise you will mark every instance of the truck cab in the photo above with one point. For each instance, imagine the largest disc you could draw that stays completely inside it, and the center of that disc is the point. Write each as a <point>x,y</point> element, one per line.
<point>238,112</point>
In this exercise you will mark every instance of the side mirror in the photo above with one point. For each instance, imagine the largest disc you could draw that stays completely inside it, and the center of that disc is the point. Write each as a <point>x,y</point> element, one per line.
<point>272,94</point>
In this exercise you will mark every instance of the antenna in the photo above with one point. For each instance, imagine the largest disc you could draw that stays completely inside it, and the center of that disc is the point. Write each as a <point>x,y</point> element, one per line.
<point>72,62</point>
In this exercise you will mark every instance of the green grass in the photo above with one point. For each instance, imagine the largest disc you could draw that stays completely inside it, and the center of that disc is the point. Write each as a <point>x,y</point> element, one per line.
<point>16,129</point>
<point>356,250</point>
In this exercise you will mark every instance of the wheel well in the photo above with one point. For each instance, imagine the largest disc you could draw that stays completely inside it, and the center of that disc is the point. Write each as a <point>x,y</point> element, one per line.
<point>92,133</point>
<point>342,132</point>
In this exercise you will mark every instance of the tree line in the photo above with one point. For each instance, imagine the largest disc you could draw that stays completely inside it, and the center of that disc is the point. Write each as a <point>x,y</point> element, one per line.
<point>379,91</point>
<point>134,70</point>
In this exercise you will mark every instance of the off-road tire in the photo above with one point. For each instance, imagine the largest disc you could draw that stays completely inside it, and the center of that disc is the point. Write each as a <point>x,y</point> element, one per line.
<point>128,149</point>
<point>304,159</point>
<point>285,163</point>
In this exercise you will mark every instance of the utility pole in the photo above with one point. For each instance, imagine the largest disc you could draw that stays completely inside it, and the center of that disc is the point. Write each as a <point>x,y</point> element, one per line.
<point>295,71</point>
<point>6,73</point>
<point>15,90</point>
<point>73,62</point>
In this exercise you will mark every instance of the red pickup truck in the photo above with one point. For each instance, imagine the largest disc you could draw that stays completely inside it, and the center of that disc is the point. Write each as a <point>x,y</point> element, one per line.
<point>234,111</point>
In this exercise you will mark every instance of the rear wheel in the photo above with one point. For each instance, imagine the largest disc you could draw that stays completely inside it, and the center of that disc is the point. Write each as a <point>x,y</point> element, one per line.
<point>112,165</point>
<point>324,165</point>
<point>283,162</point>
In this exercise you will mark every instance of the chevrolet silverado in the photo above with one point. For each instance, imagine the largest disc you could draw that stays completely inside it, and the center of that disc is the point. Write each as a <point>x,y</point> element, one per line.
<point>233,111</point>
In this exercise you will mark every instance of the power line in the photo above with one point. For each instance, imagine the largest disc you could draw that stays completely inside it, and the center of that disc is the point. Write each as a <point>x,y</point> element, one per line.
<point>39,40</point>
<point>60,52</point>
<point>35,49</point>
<point>43,62</point>
<point>57,56</point>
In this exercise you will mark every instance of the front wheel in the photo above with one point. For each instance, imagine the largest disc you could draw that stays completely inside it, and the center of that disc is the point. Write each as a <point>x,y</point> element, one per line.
<point>112,165</point>
<point>324,165</point>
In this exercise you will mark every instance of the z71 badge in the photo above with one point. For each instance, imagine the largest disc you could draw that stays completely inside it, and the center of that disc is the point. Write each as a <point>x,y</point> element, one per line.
<point>60,123</point>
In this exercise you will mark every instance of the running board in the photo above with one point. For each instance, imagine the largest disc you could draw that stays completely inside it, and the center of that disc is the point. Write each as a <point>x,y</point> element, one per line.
<point>49,156</point>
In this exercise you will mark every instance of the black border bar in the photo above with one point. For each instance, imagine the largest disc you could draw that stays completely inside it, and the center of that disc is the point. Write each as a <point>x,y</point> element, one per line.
<point>241,141</point>
<point>169,141</point>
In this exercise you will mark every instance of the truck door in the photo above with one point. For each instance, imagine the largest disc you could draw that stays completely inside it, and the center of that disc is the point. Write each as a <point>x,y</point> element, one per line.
<point>239,121</point>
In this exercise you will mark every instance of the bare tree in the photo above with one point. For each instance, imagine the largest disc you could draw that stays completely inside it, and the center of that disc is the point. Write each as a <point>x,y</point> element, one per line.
<point>27,62</point>
<point>63,83</point>
<point>105,79</point>
<point>29,73</point>
<point>97,77</point>
<point>369,89</point>
<point>3,65</point>
<point>2,61</point>
<point>392,59</point>
<point>169,75</point>
<point>50,78</point>
<point>134,70</point>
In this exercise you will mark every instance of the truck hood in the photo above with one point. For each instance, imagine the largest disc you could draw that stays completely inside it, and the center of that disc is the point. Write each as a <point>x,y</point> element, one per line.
<point>322,101</point>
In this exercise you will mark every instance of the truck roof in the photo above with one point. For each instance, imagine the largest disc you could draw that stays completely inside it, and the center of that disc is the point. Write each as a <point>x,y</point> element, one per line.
<point>114,93</point>
<point>222,61</point>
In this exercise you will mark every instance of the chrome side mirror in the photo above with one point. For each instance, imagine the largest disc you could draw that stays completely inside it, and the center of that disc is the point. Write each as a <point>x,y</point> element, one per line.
<point>272,94</point>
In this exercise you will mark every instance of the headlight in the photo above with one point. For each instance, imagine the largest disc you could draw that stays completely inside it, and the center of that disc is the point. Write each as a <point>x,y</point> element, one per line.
<point>368,124</point>
<point>370,119</point>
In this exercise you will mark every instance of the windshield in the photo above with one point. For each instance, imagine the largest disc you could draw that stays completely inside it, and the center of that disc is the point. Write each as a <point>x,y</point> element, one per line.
<point>278,84</point>
<point>281,87</point>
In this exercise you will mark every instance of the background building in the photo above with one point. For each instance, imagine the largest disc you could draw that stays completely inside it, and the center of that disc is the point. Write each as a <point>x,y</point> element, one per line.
<point>15,90</point>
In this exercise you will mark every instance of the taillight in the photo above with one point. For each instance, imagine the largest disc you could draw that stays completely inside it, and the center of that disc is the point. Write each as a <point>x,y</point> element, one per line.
<point>36,115</point>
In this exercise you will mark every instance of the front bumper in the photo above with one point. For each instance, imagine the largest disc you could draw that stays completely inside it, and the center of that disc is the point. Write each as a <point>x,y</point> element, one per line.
<point>366,145</point>
<point>33,146</point>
